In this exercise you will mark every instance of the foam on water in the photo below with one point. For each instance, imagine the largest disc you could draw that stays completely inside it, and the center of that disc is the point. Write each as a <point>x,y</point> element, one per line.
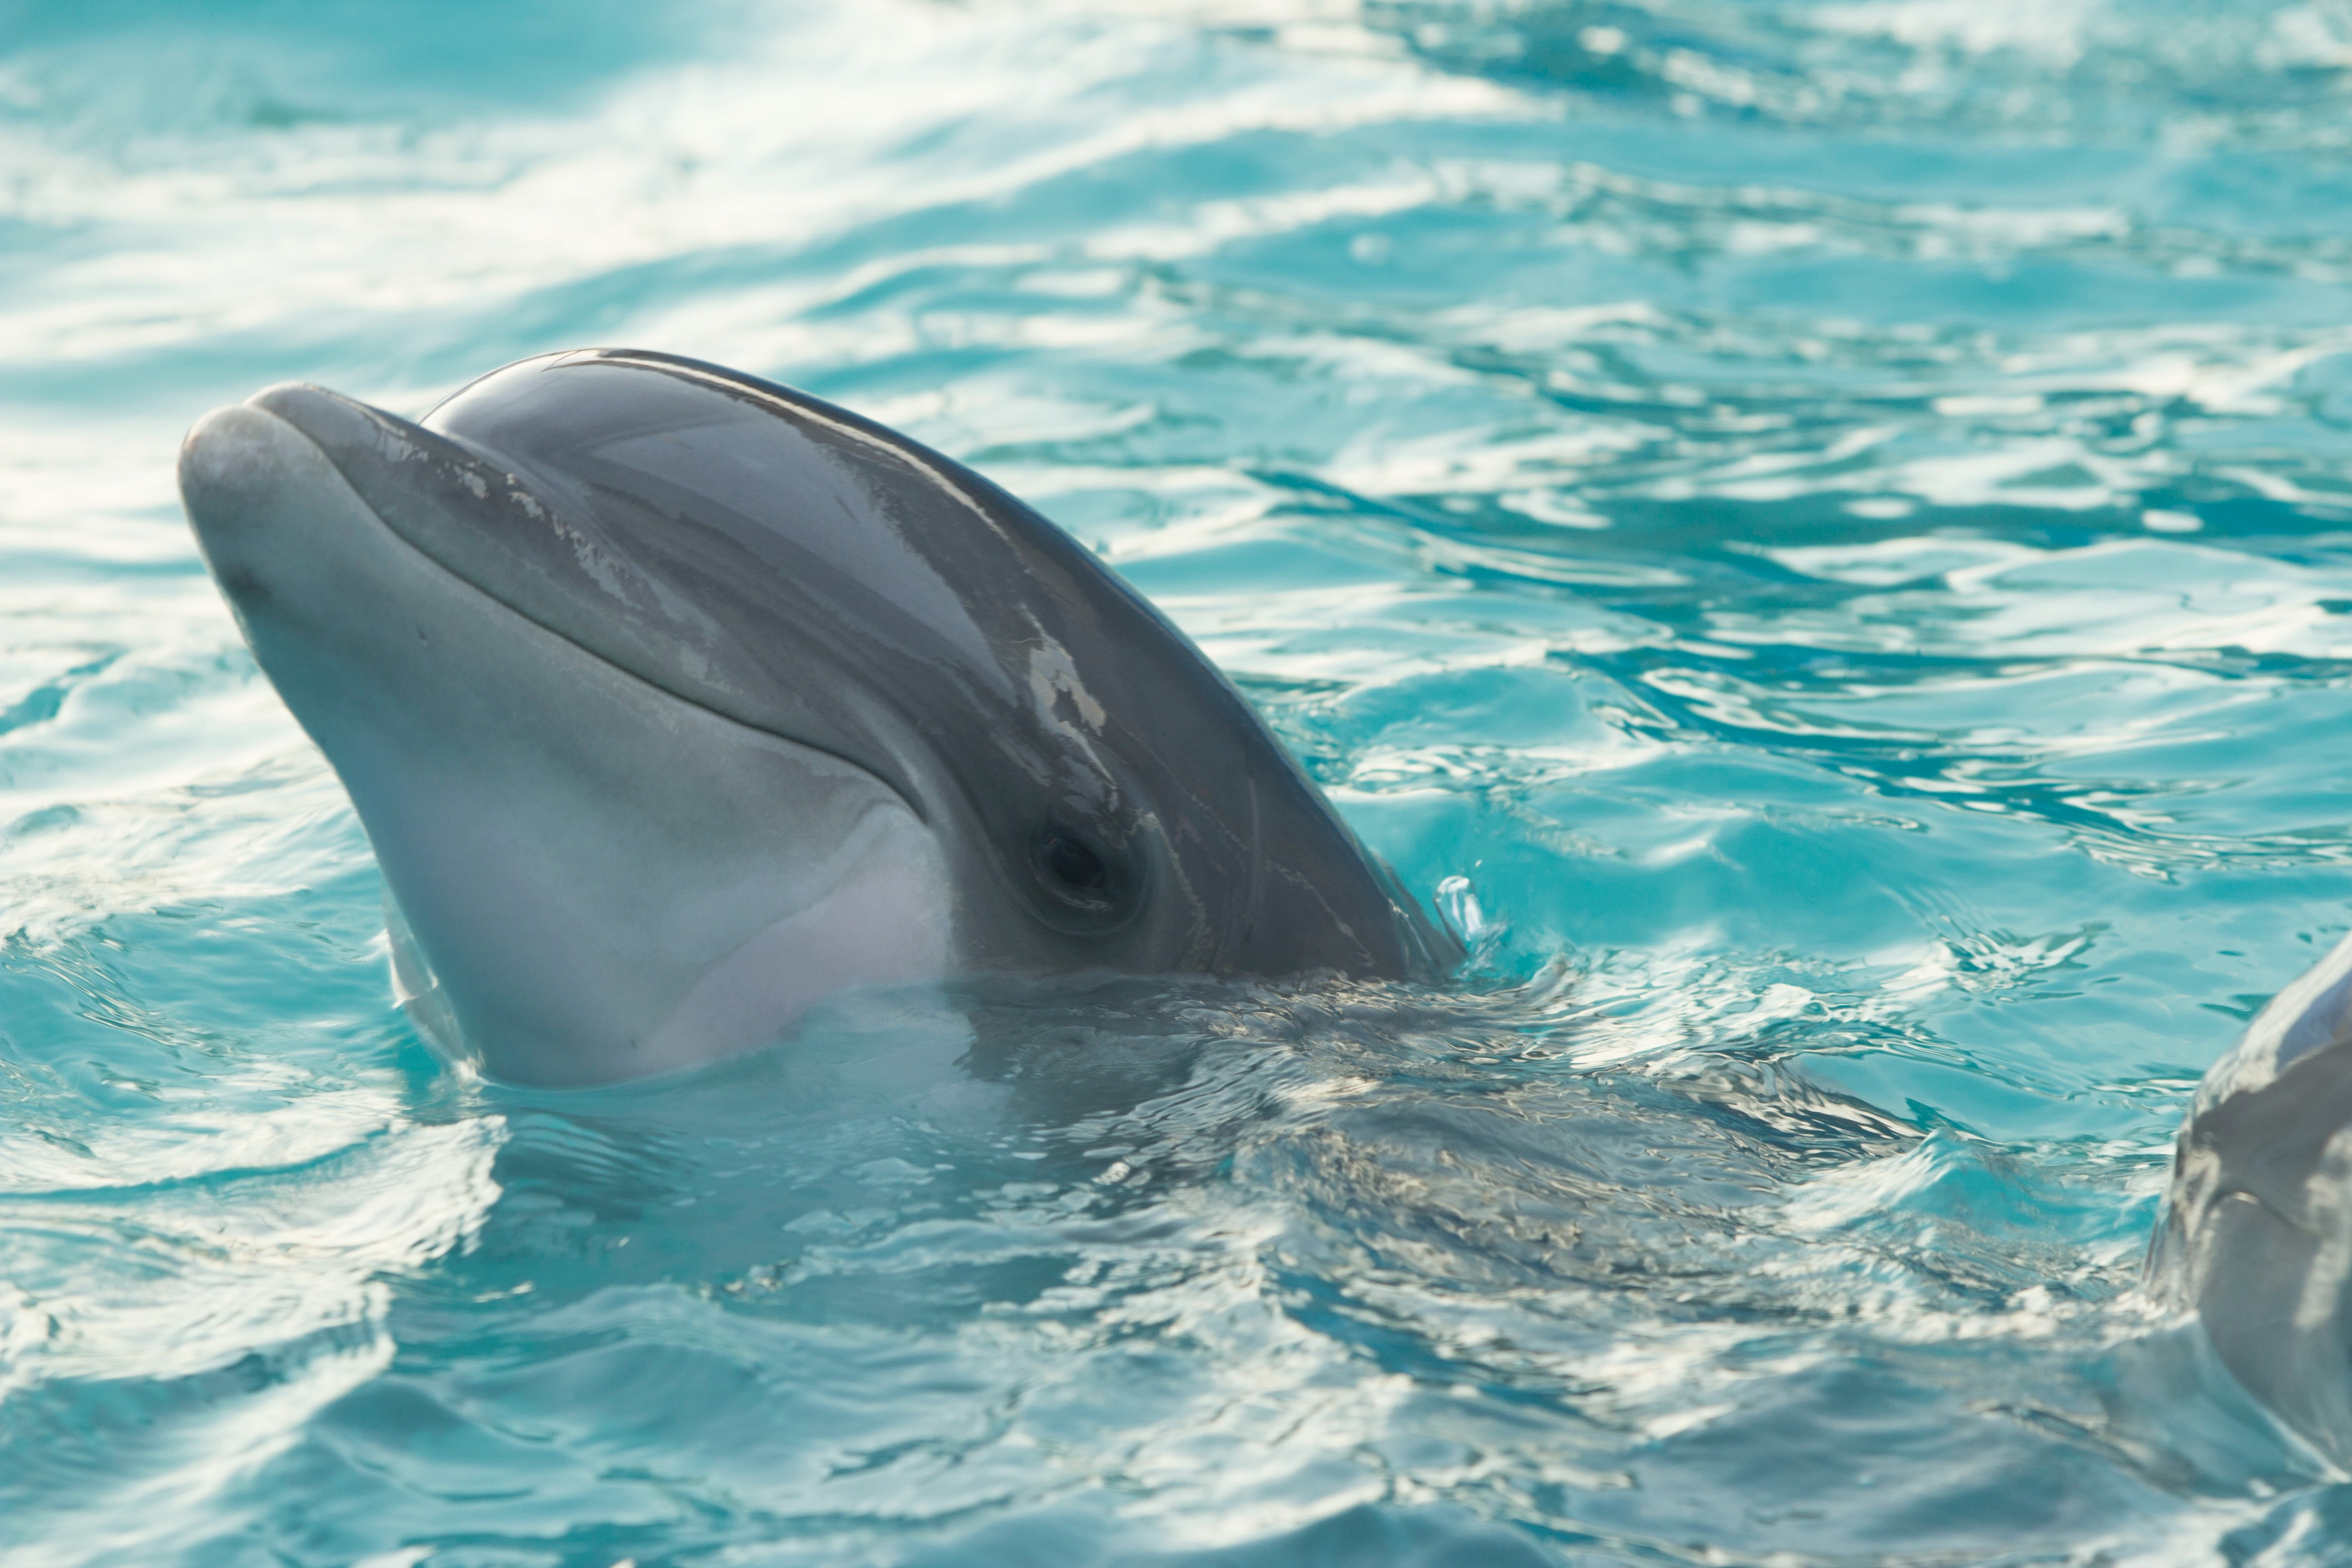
<point>1823,528</point>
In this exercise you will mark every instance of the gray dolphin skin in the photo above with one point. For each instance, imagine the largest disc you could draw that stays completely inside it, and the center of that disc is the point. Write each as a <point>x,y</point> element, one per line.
<point>674,701</point>
<point>2257,1233</point>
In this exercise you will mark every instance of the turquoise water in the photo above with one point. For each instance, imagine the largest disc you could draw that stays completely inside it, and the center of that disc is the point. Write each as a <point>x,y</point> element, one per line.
<point>1833,521</point>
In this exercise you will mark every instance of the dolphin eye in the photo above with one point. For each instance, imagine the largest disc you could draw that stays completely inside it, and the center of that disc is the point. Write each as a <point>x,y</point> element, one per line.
<point>1073,865</point>
<point>1087,885</point>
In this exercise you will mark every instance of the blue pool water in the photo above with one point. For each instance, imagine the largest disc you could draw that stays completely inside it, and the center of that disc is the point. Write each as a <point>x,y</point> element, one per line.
<point>1834,520</point>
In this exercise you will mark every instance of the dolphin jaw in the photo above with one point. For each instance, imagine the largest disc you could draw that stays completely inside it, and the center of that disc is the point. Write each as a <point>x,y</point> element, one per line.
<point>593,877</point>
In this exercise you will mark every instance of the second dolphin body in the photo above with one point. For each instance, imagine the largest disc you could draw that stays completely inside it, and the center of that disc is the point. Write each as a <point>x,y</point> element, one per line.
<point>2257,1232</point>
<point>672,701</point>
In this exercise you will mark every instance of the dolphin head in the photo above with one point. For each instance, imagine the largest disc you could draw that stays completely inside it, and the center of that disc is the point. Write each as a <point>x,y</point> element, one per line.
<point>673,701</point>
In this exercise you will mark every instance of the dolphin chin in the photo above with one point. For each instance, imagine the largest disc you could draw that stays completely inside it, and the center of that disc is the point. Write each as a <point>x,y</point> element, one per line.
<point>674,703</point>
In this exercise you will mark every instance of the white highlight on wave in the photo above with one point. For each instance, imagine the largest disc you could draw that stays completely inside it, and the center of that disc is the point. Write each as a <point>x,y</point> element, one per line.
<point>285,231</point>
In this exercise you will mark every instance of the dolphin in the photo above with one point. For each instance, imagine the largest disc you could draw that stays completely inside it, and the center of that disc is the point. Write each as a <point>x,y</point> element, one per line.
<point>2257,1230</point>
<point>674,701</point>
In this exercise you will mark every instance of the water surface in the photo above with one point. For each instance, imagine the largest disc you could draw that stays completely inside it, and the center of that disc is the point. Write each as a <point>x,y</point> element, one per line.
<point>1832,521</point>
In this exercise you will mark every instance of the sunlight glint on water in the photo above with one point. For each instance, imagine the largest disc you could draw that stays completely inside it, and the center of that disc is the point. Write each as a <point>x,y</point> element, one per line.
<point>1831,521</point>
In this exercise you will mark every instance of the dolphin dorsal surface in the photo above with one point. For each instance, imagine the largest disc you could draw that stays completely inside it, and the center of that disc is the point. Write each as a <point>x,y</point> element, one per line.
<point>673,700</point>
<point>2257,1232</point>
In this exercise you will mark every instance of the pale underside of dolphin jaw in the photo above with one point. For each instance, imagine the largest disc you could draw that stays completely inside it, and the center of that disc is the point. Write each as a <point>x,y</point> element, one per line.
<point>880,924</point>
<point>595,878</point>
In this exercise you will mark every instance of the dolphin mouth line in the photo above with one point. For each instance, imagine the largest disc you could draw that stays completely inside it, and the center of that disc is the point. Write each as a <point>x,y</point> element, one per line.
<point>508,607</point>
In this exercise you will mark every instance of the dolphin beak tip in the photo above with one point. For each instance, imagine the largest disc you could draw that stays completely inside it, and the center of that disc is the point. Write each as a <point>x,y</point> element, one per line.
<point>227,454</point>
<point>244,472</point>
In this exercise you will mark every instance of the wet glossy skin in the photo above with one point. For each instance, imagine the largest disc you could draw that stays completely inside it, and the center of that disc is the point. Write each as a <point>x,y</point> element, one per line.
<point>1080,788</point>
<point>2258,1228</point>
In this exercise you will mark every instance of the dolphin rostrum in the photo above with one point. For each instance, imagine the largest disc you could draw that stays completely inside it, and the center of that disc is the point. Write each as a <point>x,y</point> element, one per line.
<point>674,701</point>
<point>2257,1233</point>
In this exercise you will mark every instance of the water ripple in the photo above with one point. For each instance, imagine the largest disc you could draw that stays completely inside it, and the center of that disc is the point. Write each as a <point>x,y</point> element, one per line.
<point>1816,533</point>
